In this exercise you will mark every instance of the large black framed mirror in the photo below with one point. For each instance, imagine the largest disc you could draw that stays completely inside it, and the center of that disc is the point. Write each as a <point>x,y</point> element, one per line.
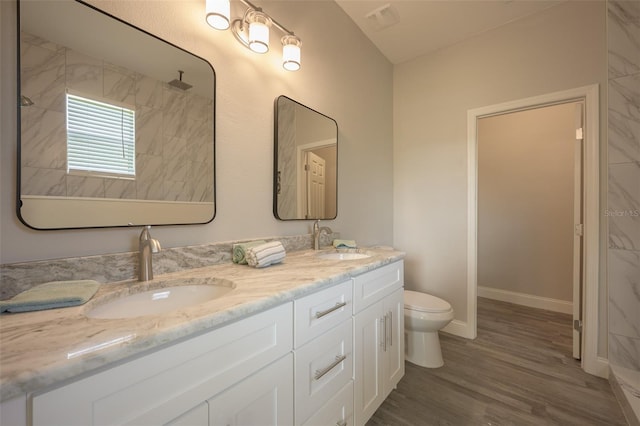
<point>116,126</point>
<point>305,162</point>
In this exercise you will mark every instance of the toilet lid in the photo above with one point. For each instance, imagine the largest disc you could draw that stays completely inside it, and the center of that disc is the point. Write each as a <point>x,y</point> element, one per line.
<point>424,302</point>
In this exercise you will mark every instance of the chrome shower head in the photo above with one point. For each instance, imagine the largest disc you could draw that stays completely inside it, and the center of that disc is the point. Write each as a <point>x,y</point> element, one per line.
<point>179,84</point>
<point>25,101</point>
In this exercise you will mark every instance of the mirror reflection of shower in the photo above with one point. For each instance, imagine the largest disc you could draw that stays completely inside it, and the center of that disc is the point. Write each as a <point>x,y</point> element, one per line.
<point>179,84</point>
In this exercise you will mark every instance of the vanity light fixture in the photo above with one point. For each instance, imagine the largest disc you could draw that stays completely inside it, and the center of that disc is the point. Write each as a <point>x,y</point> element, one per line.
<point>252,30</point>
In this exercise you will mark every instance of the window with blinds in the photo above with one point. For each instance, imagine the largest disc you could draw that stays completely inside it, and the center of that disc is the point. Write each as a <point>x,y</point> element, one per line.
<point>100,138</point>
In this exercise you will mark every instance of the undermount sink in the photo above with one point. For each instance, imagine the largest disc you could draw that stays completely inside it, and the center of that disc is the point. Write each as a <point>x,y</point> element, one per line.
<point>335,255</point>
<point>166,296</point>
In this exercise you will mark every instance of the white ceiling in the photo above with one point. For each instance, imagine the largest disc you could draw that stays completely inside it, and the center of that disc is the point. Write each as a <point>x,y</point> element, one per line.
<point>406,29</point>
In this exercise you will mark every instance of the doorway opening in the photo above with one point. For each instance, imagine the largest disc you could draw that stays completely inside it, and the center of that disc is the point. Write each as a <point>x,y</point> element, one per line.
<point>530,209</point>
<point>589,262</point>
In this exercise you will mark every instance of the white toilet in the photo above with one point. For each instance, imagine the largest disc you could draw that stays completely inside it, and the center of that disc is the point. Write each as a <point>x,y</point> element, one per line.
<point>424,315</point>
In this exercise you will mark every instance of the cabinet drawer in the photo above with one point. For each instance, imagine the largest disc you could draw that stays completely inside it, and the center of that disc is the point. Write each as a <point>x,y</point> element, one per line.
<point>322,367</point>
<point>321,311</point>
<point>373,286</point>
<point>338,411</point>
<point>157,387</point>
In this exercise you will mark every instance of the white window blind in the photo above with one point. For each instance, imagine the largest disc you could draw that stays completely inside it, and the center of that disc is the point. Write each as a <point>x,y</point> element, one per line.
<point>100,138</point>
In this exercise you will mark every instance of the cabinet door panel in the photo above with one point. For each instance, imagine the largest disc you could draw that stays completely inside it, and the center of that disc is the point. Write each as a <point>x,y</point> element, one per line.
<point>394,354</point>
<point>265,398</point>
<point>198,416</point>
<point>368,362</point>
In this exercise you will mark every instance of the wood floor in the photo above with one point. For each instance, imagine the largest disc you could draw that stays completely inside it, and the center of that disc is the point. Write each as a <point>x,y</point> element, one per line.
<point>519,371</point>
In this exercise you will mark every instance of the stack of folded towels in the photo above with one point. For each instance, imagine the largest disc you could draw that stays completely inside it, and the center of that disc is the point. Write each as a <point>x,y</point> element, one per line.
<point>259,254</point>
<point>240,251</point>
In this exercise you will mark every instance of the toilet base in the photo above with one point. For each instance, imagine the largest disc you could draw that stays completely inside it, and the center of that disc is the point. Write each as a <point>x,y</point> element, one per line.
<point>423,349</point>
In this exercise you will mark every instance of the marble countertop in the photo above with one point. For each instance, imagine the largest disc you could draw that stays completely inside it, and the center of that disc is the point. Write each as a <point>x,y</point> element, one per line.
<point>40,349</point>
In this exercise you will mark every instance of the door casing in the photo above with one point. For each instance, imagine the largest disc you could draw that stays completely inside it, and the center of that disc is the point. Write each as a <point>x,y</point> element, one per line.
<point>591,363</point>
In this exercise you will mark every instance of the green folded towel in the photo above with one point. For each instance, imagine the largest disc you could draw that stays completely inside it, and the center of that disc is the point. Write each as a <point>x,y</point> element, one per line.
<point>239,251</point>
<point>51,295</point>
<point>344,244</point>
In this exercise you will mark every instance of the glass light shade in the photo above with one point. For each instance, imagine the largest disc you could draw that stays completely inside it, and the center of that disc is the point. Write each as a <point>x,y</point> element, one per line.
<point>259,24</point>
<point>291,52</point>
<point>218,13</point>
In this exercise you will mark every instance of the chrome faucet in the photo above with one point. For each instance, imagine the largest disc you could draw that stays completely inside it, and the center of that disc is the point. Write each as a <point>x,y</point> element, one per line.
<point>317,230</point>
<point>147,247</point>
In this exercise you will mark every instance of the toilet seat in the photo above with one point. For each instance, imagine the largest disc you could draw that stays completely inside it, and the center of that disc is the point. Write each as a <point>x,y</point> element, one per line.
<point>422,302</point>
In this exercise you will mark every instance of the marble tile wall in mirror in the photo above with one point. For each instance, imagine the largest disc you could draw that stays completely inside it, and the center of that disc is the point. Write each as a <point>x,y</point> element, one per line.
<point>174,154</point>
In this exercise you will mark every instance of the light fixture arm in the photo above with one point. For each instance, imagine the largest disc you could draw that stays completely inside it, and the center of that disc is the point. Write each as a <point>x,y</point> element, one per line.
<point>276,23</point>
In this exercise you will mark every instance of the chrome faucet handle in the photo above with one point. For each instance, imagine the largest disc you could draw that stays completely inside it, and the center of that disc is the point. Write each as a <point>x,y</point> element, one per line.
<point>145,235</point>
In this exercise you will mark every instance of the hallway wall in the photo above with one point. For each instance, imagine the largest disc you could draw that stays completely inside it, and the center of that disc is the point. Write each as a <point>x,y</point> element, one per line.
<point>525,204</point>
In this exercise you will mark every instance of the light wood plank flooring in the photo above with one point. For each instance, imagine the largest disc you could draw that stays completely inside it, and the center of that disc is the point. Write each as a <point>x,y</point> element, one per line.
<point>519,371</point>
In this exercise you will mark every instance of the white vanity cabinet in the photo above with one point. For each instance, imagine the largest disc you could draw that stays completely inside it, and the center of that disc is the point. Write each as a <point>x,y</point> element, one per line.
<point>378,337</point>
<point>323,353</point>
<point>328,358</point>
<point>172,384</point>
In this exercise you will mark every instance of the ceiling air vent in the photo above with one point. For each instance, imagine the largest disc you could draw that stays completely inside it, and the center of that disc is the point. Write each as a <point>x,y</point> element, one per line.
<point>382,17</point>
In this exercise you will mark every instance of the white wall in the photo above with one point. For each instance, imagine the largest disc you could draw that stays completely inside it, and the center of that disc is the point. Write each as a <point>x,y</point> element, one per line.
<point>525,202</point>
<point>561,48</point>
<point>343,76</point>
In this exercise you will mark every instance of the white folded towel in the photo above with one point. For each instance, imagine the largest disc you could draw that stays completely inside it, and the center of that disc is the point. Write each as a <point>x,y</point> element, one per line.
<point>265,254</point>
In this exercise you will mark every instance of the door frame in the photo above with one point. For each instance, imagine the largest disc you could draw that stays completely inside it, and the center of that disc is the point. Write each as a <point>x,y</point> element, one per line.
<point>591,205</point>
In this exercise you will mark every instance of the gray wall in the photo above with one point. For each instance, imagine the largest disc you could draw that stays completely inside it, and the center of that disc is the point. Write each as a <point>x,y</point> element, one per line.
<point>338,67</point>
<point>561,48</point>
<point>525,202</point>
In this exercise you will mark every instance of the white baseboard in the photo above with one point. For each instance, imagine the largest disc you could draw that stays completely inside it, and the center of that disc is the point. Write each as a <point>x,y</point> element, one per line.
<point>526,299</point>
<point>459,328</point>
<point>599,368</point>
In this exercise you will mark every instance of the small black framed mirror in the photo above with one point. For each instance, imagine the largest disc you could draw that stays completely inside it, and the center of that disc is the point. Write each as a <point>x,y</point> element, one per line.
<point>305,163</point>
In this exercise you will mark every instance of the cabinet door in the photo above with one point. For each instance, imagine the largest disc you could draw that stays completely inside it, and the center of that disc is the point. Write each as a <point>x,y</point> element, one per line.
<point>265,398</point>
<point>338,411</point>
<point>393,340</point>
<point>198,416</point>
<point>368,380</point>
